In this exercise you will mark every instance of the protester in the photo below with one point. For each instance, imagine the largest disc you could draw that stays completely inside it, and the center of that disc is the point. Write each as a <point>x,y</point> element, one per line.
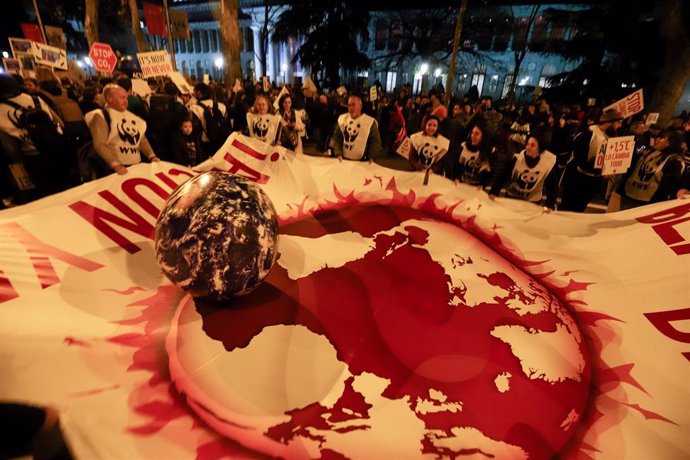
<point>33,142</point>
<point>292,122</point>
<point>477,161</point>
<point>185,144</point>
<point>657,175</point>
<point>531,175</point>
<point>262,123</point>
<point>356,136</point>
<point>211,119</point>
<point>582,180</point>
<point>428,148</point>
<point>119,136</point>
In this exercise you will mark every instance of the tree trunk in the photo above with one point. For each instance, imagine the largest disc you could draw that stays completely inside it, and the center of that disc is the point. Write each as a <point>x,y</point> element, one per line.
<point>91,21</point>
<point>263,52</point>
<point>520,54</point>
<point>230,36</point>
<point>676,72</point>
<point>136,26</point>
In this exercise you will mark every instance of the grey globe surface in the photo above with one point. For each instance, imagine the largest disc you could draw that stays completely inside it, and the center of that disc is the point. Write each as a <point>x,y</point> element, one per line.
<point>216,236</point>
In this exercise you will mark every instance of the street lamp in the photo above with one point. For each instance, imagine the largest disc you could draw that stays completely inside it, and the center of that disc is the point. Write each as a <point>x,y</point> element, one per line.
<point>283,71</point>
<point>219,63</point>
<point>437,73</point>
<point>424,68</point>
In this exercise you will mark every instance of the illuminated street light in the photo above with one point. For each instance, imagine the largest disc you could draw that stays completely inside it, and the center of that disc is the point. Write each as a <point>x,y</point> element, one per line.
<point>424,68</point>
<point>437,73</point>
<point>219,63</point>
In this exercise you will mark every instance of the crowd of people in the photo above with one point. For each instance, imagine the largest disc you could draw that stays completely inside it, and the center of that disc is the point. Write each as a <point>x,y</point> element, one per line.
<point>56,133</point>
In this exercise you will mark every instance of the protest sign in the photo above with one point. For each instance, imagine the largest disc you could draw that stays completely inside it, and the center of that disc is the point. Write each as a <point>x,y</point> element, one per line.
<point>141,87</point>
<point>341,90</point>
<point>179,21</point>
<point>618,155</point>
<point>181,83</point>
<point>154,63</point>
<point>56,37</point>
<point>629,105</point>
<point>32,32</point>
<point>12,66</point>
<point>652,118</point>
<point>21,46</point>
<point>103,57</point>
<point>155,19</point>
<point>373,93</point>
<point>51,56</point>
<point>276,103</point>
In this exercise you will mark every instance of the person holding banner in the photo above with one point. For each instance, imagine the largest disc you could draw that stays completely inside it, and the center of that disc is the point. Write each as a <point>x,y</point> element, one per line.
<point>428,148</point>
<point>530,175</point>
<point>356,136</point>
<point>118,135</point>
<point>262,123</point>
<point>292,121</point>
<point>657,175</point>
<point>477,160</point>
<point>582,178</point>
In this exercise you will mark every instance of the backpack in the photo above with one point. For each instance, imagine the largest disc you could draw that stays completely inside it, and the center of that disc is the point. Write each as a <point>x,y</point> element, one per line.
<point>90,164</point>
<point>217,128</point>
<point>41,130</point>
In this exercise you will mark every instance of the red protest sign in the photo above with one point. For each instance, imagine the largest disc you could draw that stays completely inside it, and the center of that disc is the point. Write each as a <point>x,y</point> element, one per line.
<point>155,19</point>
<point>32,32</point>
<point>103,57</point>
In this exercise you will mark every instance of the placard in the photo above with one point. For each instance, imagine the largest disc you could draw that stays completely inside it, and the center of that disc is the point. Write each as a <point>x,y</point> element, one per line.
<point>181,83</point>
<point>155,63</point>
<point>21,46</point>
<point>12,66</point>
<point>141,87</point>
<point>618,155</point>
<point>373,93</point>
<point>51,56</point>
<point>629,105</point>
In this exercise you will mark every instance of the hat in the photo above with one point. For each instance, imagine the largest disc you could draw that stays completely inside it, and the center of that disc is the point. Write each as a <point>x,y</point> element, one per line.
<point>610,115</point>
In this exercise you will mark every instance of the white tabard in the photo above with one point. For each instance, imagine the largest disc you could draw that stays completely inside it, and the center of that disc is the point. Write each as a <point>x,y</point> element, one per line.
<point>430,149</point>
<point>528,183</point>
<point>125,133</point>
<point>355,134</point>
<point>265,127</point>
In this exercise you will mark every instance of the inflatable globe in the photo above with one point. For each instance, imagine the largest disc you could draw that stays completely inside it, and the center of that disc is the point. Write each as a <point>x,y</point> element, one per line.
<point>216,237</point>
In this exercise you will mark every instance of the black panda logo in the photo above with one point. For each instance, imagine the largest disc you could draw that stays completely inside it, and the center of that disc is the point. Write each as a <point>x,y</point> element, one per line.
<point>648,169</point>
<point>128,131</point>
<point>261,127</point>
<point>527,179</point>
<point>428,154</point>
<point>350,134</point>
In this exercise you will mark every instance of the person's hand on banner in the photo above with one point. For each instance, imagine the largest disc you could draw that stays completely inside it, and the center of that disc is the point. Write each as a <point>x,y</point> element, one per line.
<point>120,170</point>
<point>683,193</point>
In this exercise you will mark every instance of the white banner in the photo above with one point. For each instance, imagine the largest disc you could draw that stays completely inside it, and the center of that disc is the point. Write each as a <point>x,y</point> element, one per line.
<point>155,63</point>
<point>399,321</point>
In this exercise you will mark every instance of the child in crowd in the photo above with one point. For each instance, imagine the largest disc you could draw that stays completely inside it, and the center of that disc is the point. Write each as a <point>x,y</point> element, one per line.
<point>186,146</point>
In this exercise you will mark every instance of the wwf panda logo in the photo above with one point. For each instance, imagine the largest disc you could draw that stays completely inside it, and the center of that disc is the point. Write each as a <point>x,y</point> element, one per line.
<point>350,133</point>
<point>526,180</point>
<point>128,131</point>
<point>261,128</point>
<point>428,153</point>
<point>472,166</point>
<point>15,116</point>
<point>648,169</point>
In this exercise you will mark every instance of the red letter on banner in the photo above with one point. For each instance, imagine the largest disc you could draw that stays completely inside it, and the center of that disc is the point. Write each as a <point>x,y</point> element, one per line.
<point>102,219</point>
<point>40,254</point>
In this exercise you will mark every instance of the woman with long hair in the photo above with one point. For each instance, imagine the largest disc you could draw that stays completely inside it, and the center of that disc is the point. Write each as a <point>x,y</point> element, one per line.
<point>477,159</point>
<point>292,121</point>
<point>262,123</point>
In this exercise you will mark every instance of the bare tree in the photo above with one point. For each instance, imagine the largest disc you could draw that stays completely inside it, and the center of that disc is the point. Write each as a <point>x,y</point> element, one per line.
<point>231,39</point>
<point>676,72</point>
<point>136,26</point>
<point>519,52</point>
<point>91,21</point>
<point>266,18</point>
